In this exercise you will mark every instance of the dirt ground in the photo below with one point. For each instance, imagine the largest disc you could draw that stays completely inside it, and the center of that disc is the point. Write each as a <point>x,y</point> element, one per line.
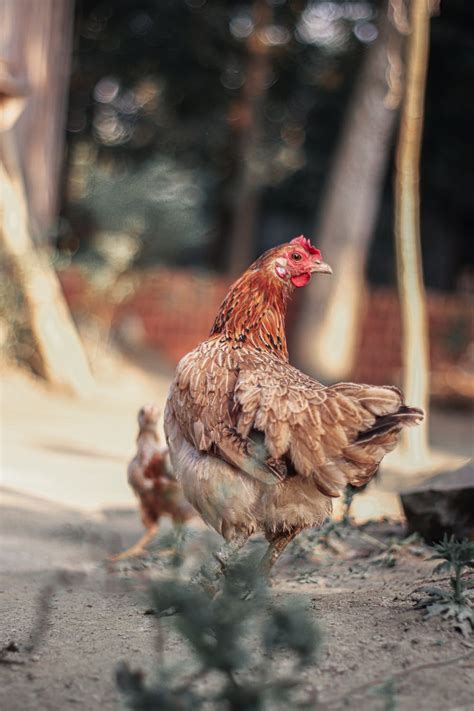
<point>65,505</point>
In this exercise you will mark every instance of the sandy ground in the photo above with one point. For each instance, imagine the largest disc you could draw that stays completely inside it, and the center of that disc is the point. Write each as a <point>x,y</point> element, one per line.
<point>74,452</point>
<point>65,505</point>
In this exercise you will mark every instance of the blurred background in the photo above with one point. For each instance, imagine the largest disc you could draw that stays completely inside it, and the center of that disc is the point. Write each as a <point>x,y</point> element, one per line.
<point>151,149</point>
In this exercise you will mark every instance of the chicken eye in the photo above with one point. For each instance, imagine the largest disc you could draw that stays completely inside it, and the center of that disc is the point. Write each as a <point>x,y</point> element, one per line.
<point>296,256</point>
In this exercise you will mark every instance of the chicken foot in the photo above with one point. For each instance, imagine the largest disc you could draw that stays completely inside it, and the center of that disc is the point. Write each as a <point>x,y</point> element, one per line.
<point>139,547</point>
<point>277,544</point>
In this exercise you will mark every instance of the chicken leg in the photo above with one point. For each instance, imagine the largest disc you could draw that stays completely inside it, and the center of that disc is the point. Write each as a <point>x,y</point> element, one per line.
<point>139,547</point>
<point>277,544</point>
<point>209,574</point>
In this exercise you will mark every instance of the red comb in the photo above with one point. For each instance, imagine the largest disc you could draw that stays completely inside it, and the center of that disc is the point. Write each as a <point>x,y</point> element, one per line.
<point>304,242</point>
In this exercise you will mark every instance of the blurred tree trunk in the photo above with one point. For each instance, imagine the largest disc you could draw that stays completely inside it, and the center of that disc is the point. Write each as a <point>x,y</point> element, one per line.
<point>35,40</point>
<point>246,120</point>
<point>326,333</point>
<point>415,343</point>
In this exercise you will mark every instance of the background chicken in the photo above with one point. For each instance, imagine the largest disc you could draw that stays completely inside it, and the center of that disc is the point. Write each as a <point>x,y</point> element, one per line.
<point>157,490</point>
<point>258,445</point>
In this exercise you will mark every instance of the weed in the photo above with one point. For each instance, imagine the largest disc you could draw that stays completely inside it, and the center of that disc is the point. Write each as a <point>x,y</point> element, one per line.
<point>237,644</point>
<point>457,602</point>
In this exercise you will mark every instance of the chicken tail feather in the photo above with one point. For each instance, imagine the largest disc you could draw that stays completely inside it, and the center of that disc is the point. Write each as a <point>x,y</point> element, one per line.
<point>404,417</point>
<point>366,453</point>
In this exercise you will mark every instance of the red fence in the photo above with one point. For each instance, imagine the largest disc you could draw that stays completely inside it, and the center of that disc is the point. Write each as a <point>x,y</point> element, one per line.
<point>175,309</point>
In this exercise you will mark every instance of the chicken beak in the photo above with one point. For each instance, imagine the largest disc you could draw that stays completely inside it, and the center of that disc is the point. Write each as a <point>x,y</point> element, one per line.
<point>321,268</point>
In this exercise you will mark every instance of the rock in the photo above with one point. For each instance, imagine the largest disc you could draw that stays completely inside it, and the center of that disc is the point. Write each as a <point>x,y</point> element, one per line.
<point>442,504</point>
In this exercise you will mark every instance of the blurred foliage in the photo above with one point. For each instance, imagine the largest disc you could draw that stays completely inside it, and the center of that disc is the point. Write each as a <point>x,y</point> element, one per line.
<point>456,604</point>
<point>251,651</point>
<point>154,102</point>
<point>154,105</point>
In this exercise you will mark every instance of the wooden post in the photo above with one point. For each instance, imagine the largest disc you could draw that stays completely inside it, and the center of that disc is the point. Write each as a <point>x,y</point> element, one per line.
<point>415,344</point>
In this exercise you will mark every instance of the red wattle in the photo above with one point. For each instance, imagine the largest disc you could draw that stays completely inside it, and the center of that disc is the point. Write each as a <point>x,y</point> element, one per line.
<point>301,279</point>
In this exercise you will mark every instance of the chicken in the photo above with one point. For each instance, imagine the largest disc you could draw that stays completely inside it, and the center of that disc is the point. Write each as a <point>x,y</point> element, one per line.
<point>156,489</point>
<point>257,444</point>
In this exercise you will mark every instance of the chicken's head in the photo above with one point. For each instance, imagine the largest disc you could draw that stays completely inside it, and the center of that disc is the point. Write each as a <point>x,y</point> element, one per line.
<point>148,416</point>
<point>296,261</point>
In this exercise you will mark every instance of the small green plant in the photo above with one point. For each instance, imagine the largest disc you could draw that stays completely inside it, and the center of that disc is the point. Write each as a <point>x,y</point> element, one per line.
<point>395,548</point>
<point>457,603</point>
<point>387,692</point>
<point>240,652</point>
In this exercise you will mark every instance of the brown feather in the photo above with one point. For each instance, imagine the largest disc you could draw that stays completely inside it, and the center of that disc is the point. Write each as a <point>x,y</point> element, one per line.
<point>238,383</point>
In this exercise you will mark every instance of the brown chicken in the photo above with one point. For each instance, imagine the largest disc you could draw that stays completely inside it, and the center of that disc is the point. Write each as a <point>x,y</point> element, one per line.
<point>258,445</point>
<point>157,490</point>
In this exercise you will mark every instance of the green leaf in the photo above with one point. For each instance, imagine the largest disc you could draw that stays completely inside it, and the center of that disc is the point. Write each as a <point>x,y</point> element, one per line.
<point>292,627</point>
